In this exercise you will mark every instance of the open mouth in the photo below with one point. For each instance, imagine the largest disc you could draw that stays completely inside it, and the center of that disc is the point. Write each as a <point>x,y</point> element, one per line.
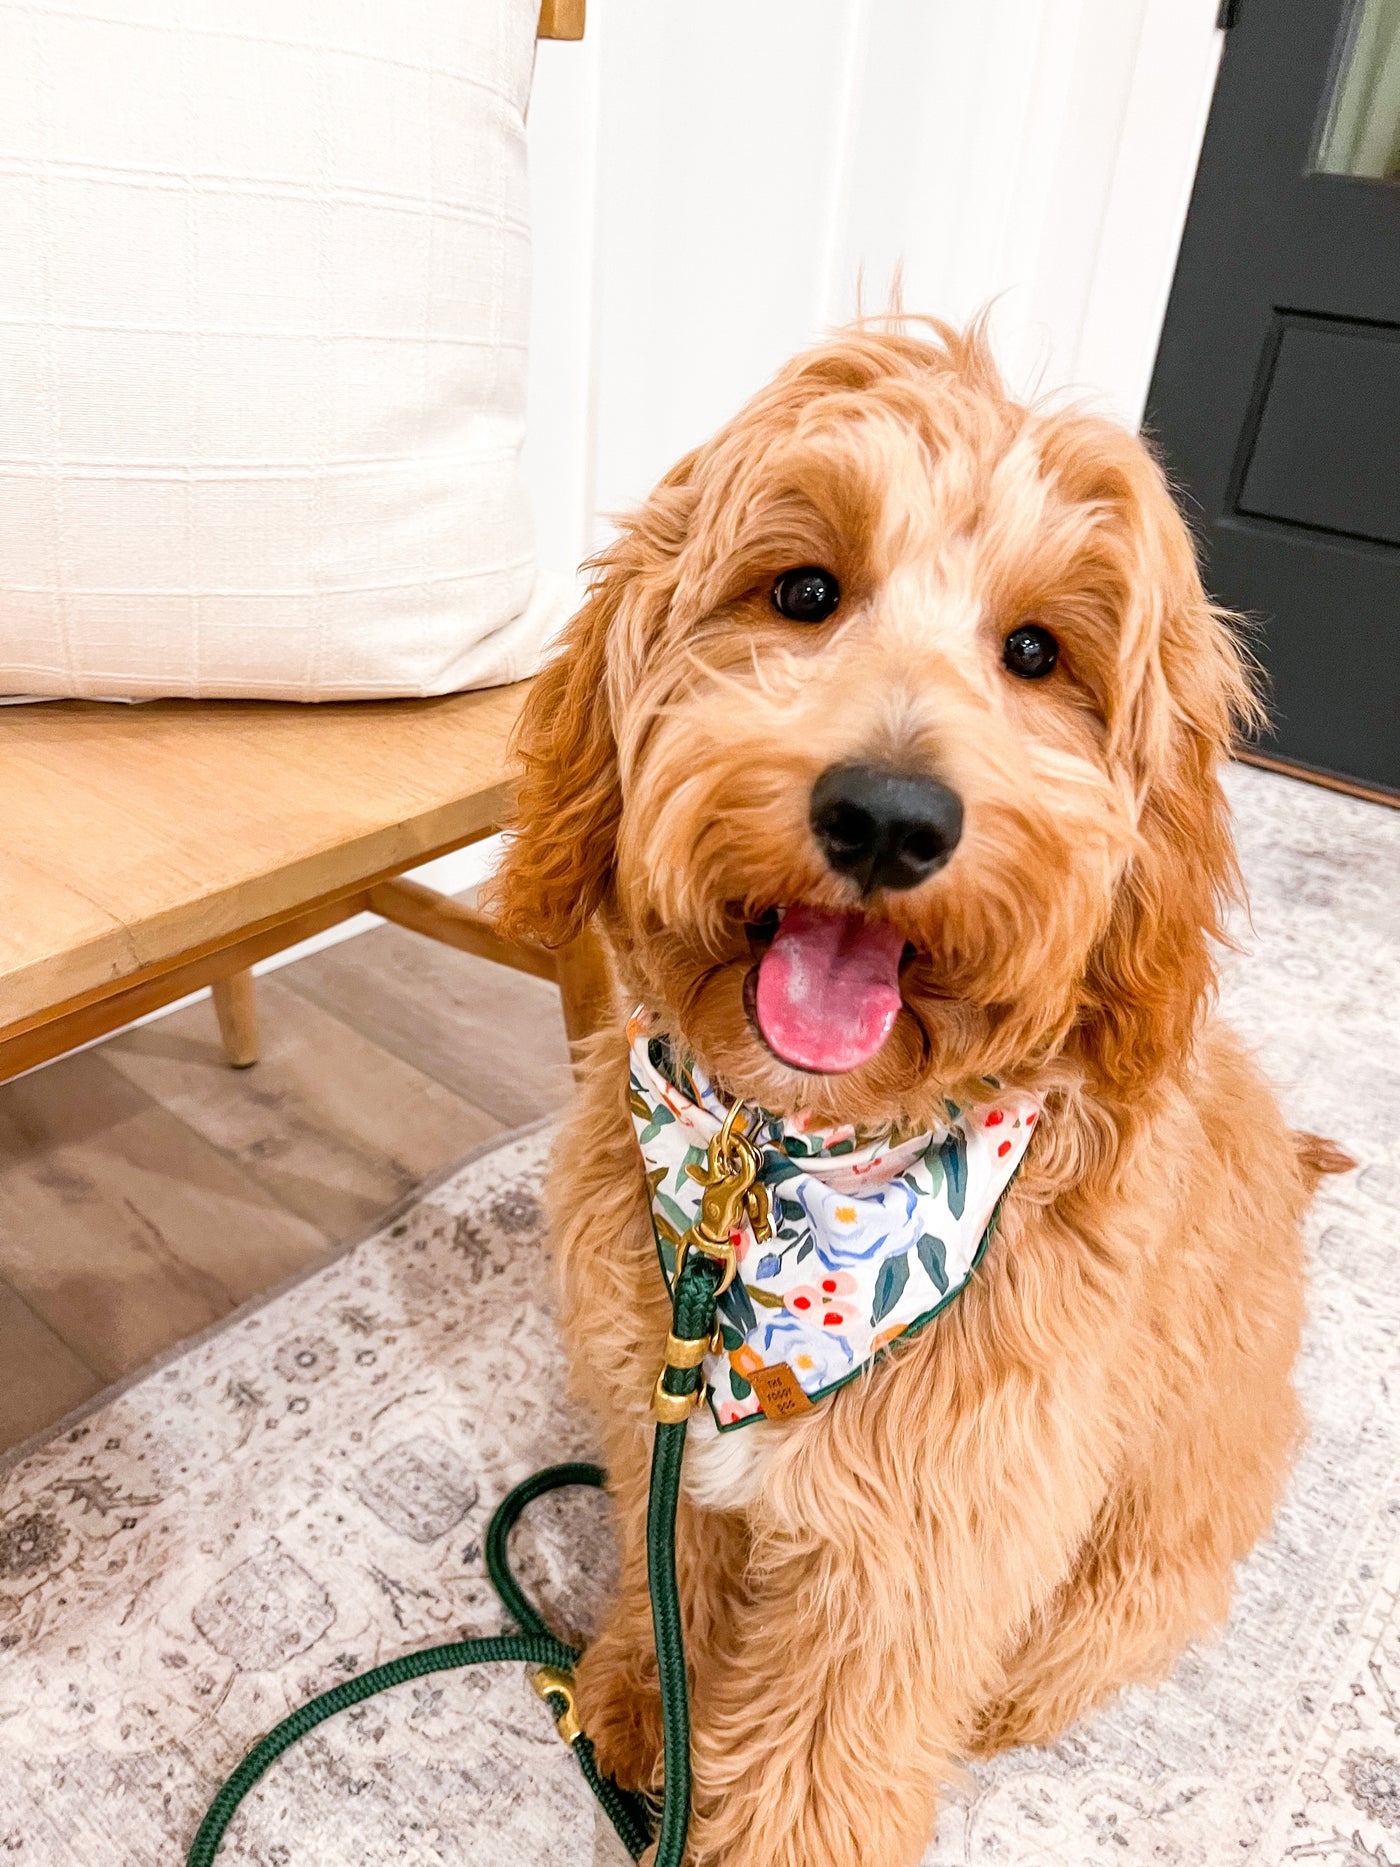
<point>824,995</point>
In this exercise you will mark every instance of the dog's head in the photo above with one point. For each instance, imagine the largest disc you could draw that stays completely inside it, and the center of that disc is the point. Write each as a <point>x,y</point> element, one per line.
<point>885,743</point>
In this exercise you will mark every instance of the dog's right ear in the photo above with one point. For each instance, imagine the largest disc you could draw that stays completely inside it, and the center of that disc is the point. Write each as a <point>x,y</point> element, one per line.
<point>562,838</point>
<point>559,852</point>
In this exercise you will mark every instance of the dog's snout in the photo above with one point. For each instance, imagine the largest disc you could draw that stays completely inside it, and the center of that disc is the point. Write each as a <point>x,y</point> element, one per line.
<point>884,828</point>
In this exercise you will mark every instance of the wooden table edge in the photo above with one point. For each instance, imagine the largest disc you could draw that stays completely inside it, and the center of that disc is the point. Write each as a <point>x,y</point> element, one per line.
<point>125,954</point>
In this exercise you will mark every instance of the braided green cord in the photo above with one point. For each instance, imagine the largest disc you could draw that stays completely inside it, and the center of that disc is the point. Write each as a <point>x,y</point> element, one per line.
<point>536,1649</point>
<point>537,1646</point>
<point>553,1478</point>
<point>693,1316</point>
<point>628,1814</point>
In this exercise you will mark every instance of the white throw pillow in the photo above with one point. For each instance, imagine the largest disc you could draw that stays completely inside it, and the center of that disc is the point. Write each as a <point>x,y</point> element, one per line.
<point>264,284</point>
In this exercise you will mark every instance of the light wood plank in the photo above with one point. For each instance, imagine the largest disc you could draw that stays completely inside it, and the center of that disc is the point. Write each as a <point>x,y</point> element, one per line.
<point>492,1036</point>
<point>135,834</point>
<point>331,1125</point>
<point>121,1228</point>
<point>41,1378</point>
<point>123,1223</point>
<point>64,1027</point>
<point>1348,786</point>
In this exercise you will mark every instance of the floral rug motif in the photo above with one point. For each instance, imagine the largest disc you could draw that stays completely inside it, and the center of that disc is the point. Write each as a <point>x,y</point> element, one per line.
<point>303,1494</point>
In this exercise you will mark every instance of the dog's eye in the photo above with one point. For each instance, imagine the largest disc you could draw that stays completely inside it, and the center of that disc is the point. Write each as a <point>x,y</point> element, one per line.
<point>806,595</point>
<point>1030,652</point>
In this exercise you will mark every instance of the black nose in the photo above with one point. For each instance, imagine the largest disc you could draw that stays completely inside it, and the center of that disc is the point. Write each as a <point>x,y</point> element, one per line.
<point>885,829</point>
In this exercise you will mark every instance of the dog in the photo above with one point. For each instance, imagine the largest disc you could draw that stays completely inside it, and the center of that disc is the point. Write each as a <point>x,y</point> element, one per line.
<point>884,753</point>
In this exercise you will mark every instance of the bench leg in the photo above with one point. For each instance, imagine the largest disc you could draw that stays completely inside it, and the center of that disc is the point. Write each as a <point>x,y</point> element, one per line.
<point>585,988</point>
<point>237,1012</point>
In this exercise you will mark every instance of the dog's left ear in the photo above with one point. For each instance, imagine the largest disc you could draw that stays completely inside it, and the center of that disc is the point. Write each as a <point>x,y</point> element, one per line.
<point>1185,691</point>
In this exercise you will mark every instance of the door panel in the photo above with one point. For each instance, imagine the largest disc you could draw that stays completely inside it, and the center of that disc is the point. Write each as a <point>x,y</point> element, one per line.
<point>1276,395</point>
<point>1339,686</point>
<point>1324,451</point>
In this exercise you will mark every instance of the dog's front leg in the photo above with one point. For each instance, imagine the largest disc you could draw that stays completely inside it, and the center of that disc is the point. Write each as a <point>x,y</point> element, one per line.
<point>618,1691</point>
<point>821,1737</point>
<point>899,1557</point>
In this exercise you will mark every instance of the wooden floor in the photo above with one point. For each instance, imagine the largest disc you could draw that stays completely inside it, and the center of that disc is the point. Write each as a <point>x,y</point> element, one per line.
<point>146,1188</point>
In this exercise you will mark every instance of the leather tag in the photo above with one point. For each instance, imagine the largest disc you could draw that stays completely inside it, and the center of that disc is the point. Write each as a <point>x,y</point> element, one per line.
<point>779,1392</point>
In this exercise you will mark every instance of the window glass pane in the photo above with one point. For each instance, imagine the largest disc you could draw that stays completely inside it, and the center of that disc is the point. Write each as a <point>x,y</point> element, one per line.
<point>1362,134</point>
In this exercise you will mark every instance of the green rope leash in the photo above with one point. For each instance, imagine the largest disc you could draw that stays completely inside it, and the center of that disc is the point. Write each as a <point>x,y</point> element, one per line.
<point>542,1649</point>
<point>693,1318</point>
<point>693,1314</point>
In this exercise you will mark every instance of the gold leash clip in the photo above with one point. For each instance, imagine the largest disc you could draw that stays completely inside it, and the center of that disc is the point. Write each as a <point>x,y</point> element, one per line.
<point>732,1192</point>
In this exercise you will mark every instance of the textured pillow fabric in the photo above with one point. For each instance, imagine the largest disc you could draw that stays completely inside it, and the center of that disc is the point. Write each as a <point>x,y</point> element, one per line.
<point>264,281</point>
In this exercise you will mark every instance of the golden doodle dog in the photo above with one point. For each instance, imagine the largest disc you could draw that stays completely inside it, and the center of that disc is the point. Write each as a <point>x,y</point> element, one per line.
<point>884,752</point>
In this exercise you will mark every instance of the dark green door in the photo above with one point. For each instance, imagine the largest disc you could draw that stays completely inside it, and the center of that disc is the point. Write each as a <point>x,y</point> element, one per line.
<point>1276,394</point>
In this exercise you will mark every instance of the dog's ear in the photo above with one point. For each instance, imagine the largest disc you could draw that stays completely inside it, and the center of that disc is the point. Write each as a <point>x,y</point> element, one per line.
<point>558,862</point>
<point>558,856</point>
<point>1186,689</point>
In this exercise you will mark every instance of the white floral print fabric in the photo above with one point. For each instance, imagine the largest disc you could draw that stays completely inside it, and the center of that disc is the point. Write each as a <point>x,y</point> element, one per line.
<point>874,1231</point>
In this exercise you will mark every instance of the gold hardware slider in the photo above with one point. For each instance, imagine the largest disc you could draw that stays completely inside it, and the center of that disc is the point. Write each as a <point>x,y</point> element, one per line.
<point>674,1409</point>
<point>687,1351</point>
<point>683,1351</point>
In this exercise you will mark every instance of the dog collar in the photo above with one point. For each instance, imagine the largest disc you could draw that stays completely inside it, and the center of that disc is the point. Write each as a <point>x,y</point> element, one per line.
<point>874,1231</point>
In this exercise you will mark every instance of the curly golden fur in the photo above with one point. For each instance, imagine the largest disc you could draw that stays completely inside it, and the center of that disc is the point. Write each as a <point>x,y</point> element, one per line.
<point>1041,1495</point>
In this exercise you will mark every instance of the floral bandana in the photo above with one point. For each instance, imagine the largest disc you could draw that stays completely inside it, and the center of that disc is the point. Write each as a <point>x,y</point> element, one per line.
<point>874,1230</point>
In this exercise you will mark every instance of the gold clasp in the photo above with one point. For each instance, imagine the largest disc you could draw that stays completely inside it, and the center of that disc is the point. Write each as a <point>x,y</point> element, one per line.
<point>553,1682</point>
<point>727,1254</point>
<point>730,1172</point>
<point>731,1193</point>
<point>760,1211</point>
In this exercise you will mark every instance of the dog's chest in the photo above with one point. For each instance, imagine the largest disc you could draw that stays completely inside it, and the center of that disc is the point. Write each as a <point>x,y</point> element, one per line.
<point>727,1471</point>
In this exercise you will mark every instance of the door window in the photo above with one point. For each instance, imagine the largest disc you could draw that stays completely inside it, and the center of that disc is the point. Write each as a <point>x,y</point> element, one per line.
<point>1361,135</point>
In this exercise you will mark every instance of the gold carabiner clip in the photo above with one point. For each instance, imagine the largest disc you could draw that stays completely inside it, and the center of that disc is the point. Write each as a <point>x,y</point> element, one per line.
<point>731,1193</point>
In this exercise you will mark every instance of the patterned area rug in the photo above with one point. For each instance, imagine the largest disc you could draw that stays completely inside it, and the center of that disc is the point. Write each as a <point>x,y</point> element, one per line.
<point>303,1494</point>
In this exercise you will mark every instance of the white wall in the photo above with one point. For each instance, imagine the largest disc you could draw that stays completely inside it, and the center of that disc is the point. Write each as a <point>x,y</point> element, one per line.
<point>710,180</point>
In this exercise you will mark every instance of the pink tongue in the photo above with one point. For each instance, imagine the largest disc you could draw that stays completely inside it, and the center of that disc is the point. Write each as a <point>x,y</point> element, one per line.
<point>828,989</point>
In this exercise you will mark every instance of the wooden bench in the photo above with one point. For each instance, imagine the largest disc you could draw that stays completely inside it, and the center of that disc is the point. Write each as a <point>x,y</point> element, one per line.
<point>150,850</point>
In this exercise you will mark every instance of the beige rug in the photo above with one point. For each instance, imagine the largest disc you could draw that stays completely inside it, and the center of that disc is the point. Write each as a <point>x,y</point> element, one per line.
<point>304,1493</point>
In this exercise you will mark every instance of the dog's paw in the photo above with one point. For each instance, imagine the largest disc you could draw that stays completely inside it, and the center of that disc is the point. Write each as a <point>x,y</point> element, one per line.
<point>621,1714</point>
<point>999,1726</point>
<point>1012,1722</point>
